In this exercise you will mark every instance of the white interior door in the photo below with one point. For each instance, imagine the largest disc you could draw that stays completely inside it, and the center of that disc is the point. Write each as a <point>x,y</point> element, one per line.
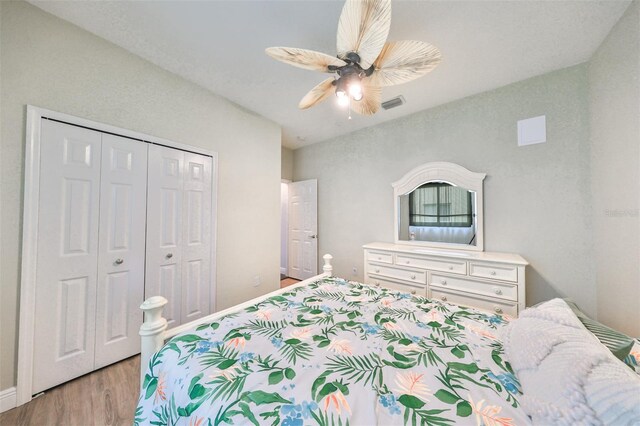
<point>196,237</point>
<point>164,229</point>
<point>64,334</point>
<point>121,253</point>
<point>303,229</point>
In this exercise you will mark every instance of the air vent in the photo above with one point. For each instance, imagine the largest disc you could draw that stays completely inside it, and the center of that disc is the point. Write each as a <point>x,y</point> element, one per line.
<point>395,102</point>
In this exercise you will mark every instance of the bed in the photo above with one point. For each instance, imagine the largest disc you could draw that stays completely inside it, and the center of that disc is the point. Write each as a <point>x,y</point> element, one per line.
<point>328,351</point>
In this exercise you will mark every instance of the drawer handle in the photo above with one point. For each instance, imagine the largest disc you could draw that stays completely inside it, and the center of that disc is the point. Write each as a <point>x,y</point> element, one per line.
<point>498,291</point>
<point>169,255</point>
<point>413,292</point>
<point>497,310</point>
<point>408,262</point>
<point>377,271</point>
<point>443,282</point>
<point>451,268</point>
<point>413,277</point>
<point>444,298</point>
<point>119,261</point>
<point>379,258</point>
<point>377,284</point>
<point>493,272</point>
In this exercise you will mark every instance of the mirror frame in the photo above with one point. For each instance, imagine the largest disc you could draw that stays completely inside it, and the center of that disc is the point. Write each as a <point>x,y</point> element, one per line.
<point>441,172</point>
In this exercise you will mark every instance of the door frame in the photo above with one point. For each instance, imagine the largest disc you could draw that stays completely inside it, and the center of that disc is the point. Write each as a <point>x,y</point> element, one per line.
<point>31,192</point>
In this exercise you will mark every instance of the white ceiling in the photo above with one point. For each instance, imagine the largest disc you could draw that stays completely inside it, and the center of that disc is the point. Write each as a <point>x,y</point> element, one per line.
<point>220,45</point>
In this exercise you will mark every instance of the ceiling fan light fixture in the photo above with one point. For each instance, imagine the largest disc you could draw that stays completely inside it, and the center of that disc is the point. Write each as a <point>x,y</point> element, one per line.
<point>366,61</point>
<point>355,90</point>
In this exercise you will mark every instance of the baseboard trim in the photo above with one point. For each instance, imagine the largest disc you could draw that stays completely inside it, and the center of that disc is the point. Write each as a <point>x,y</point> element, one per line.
<point>7,399</point>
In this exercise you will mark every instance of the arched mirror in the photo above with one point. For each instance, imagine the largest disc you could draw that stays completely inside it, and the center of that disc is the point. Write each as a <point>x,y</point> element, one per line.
<point>439,205</point>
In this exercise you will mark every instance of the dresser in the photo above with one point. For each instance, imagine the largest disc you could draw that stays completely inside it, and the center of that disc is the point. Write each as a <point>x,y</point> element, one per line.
<point>492,282</point>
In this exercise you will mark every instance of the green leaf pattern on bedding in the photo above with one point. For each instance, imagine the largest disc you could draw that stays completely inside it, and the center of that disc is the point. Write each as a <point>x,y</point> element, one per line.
<point>335,353</point>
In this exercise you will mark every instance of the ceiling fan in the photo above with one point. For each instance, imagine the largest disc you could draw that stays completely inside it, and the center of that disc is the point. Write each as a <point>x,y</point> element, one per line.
<point>365,62</point>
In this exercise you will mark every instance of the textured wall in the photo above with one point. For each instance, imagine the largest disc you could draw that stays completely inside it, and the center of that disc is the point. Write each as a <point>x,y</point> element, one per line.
<point>50,63</point>
<point>614,78</point>
<point>537,198</point>
<point>287,163</point>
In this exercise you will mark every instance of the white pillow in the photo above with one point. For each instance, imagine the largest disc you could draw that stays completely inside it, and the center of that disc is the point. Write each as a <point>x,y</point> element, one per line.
<point>567,375</point>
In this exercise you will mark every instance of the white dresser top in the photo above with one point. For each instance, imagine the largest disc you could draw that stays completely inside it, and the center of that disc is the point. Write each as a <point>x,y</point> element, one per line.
<point>484,256</point>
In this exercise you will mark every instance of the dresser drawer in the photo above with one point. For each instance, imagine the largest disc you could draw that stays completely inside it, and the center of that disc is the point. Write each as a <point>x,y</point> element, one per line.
<point>494,271</point>
<point>493,306</point>
<point>406,288</point>
<point>452,266</point>
<point>378,256</point>
<point>491,289</point>
<point>401,274</point>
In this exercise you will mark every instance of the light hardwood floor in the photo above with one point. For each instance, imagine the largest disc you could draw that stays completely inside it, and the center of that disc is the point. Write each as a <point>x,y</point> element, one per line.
<point>287,282</point>
<point>105,397</point>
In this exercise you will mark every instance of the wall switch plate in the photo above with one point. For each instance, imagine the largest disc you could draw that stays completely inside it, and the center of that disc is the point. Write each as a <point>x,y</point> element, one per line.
<point>256,281</point>
<point>532,130</point>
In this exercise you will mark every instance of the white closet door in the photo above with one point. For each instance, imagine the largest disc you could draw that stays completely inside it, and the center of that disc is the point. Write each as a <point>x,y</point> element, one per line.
<point>303,229</point>
<point>164,228</point>
<point>67,241</point>
<point>196,236</point>
<point>121,253</point>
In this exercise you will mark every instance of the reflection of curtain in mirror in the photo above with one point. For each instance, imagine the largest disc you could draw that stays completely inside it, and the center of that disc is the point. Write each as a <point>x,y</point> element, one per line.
<point>424,210</point>
<point>441,204</point>
<point>455,203</point>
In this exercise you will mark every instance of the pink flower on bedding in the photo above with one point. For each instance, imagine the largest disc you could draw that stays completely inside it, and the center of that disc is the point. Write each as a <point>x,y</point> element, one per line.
<point>228,374</point>
<point>488,415</point>
<point>338,401</point>
<point>237,342</point>
<point>301,333</point>
<point>341,347</point>
<point>391,326</point>
<point>433,316</point>
<point>387,301</point>
<point>264,314</point>
<point>194,421</point>
<point>160,389</point>
<point>480,331</point>
<point>411,383</point>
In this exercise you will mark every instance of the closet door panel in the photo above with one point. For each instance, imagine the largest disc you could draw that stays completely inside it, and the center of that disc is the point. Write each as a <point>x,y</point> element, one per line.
<point>164,229</point>
<point>67,242</point>
<point>196,254</point>
<point>121,256</point>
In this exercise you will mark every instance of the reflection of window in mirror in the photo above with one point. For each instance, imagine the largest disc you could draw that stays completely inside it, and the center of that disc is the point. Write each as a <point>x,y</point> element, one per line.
<point>440,204</point>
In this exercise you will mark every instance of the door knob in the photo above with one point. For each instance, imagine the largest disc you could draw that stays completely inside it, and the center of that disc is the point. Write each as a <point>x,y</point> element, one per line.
<point>313,236</point>
<point>119,261</point>
<point>169,255</point>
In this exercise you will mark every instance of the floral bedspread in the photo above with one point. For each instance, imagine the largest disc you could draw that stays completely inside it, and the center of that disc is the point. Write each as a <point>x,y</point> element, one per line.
<point>336,353</point>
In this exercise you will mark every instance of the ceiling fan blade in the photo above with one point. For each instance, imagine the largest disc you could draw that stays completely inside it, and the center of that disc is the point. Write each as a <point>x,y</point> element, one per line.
<point>317,94</point>
<point>303,58</point>
<point>403,61</point>
<point>370,102</point>
<point>363,28</point>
